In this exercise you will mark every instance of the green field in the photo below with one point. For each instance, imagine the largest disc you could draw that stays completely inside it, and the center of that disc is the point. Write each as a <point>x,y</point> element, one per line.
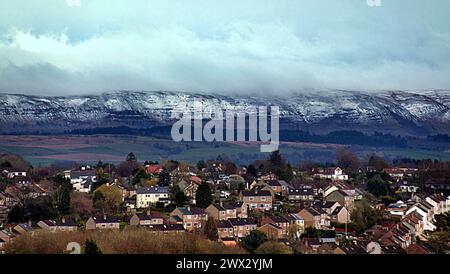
<point>44,151</point>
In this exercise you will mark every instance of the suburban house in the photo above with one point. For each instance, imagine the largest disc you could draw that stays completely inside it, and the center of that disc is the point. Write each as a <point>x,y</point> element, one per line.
<point>236,227</point>
<point>189,186</point>
<point>280,221</point>
<point>82,179</point>
<point>279,187</point>
<point>397,209</point>
<point>329,207</point>
<point>102,222</point>
<point>399,173</point>
<point>340,215</point>
<point>295,219</point>
<point>58,225</point>
<point>146,219</point>
<point>399,235</point>
<point>166,228</point>
<point>440,203</point>
<point>257,199</point>
<point>24,228</point>
<point>13,172</point>
<point>332,173</point>
<point>315,217</point>
<point>273,231</point>
<point>153,169</point>
<point>354,249</point>
<point>225,230</point>
<point>345,197</point>
<point>7,200</point>
<point>83,186</point>
<point>146,196</point>
<point>190,217</point>
<point>226,211</point>
<point>304,194</point>
<point>425,211</point>
<point>6,236</point>
<point>405,188</point>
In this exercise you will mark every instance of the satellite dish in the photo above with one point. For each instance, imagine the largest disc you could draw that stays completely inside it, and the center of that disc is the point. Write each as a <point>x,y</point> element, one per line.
<point>373,248</point>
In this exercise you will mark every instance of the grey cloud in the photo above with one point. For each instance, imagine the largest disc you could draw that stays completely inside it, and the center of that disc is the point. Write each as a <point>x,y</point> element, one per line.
<point>222,46</point>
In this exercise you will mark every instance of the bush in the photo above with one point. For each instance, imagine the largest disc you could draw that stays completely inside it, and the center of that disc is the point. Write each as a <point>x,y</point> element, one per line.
<point>273,247</point>
<point>91,248</point>
<point>254,240</point>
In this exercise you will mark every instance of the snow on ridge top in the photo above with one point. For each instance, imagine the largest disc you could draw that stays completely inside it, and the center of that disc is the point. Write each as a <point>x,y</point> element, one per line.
<point>348,106</point>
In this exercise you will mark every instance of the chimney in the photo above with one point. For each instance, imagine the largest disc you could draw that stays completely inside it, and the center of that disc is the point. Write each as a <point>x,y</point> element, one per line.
<point>29,223</point>
<point>63,220</point>
<point>221,203</point>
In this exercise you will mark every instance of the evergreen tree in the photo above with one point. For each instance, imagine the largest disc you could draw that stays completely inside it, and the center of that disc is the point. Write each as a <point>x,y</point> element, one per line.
<point>61,197</point>
<point>275,159</point>
<point>253,240</point>
<point>201,165</point>
<point>164,178</point>
<point>16,215</point>
<point>203,197</point>
<point>210,229</point>
<point>102,178</point>
<point>178,196</point>
<point>91,248</point>
<point>140,176</point>
<point>131,157</point>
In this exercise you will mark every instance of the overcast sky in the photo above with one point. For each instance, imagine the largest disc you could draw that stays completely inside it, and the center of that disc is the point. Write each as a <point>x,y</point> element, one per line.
<point>60,47</point>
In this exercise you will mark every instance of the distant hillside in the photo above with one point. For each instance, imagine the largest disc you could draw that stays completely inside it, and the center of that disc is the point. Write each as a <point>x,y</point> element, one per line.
<point>403,113</point>
<point>13,160</point>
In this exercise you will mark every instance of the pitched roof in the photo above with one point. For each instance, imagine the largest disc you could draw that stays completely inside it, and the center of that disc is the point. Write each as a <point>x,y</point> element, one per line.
<point>278,219</point>
<point>353,249</point>
<point>192,210</point>
<point>105,219</point>
<point>272,225</point>
<point>224,224</point>
<point>294,217</point>
<point>392,249</point>
<point>315,211</point>
<point>337,210</point>
<point>242,221</point>
<point>83,173</point>
<point>166,227</point>
<point>153,169</point>
<point>255,192</point>
<point>152,190</point>
<point>147,217</point>
<point>328,204</point>
<point>273,183</point>
<point>66,222</point>
<point>301,191</point>
<point>232,205</point>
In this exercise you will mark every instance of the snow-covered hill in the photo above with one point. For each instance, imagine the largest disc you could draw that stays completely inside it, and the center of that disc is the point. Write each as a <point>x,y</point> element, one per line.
<point>397,112</point>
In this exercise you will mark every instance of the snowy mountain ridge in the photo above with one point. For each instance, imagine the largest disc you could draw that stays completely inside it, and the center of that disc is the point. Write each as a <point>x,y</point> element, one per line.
<point>397,112</point>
